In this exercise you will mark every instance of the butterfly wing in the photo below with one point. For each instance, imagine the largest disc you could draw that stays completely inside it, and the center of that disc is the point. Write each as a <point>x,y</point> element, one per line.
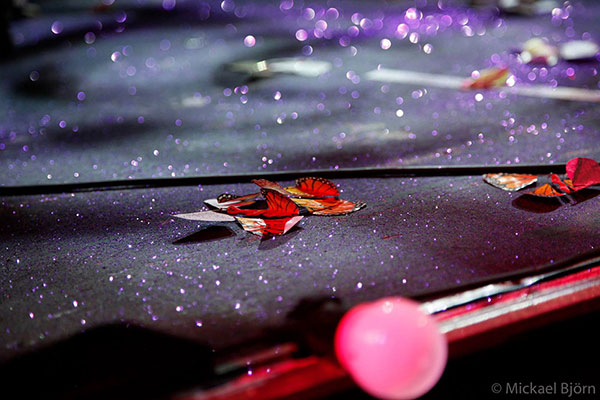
<point>314,187</point>
<point>546,190</point>
<point>223,204</point>
<point>229,198</point>
<point>252,225</point>
<point>564,186</point>
<point>510,182</point>
<point>265,184</point>
<point>329,207</point>
<point>268,227</point>
<point>280,226</point>
<point>278,204</point>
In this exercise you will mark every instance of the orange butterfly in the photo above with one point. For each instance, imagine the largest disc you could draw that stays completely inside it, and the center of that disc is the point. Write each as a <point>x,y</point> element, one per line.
<point>581,173</point>
<point>279,217</point>
<point>317,196</point>
<point>278,206</point>
<point>314,187</point>
<point>514,182</point>
<point>329,207</point>
<point>307,187</point>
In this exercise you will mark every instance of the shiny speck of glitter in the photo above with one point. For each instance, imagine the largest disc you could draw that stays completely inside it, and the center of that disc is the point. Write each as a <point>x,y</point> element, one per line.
<point>249,41</point>
<point>402,31</point>
<point>301,35</point>
<point>169,4</point>
<point>385,43</point>
<point>81,96</point>
<point>57,27</point>
<point>89,38</point>
<point>227,5</point>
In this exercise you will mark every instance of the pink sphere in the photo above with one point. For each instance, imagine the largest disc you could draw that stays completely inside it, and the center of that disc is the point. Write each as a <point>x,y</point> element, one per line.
<point>391,348</point>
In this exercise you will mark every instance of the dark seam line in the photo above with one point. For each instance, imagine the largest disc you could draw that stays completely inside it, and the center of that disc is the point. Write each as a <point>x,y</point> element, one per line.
<point>126,184</point>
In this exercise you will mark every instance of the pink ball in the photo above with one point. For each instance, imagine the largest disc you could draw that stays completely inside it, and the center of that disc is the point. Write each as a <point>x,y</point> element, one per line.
<point>391,348</point>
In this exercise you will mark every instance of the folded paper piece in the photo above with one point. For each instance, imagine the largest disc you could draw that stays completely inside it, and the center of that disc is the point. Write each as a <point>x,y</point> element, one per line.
<point>581,173</point>
<point>207,216</point>
<point>281,209</point>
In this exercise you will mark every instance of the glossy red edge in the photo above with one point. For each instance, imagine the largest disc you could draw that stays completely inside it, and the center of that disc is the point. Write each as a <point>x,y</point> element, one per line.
<point>314,377</point>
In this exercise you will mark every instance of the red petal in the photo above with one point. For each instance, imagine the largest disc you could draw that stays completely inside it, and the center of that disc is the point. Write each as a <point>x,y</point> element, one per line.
<point>583,172</point>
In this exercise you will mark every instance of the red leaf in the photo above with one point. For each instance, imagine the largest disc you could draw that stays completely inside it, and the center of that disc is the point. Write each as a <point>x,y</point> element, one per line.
<point>583,172</point>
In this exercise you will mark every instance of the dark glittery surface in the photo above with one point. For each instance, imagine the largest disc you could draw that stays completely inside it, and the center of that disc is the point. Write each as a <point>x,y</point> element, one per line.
<point>142,92</point>
<point>79,260</point>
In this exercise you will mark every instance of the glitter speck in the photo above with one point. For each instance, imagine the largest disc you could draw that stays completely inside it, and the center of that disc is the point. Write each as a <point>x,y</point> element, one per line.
<point>57,27</point>
<point>301,35</point>
<point>89,38</point>
<point>169,4</point>
<point>249,41</point>
<point>385,44</point>
<point>227,5</point>
<point>402,31</point>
